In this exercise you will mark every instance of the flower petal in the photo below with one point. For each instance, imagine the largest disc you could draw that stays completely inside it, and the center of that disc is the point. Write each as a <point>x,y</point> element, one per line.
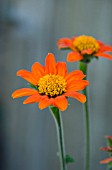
<point>61,69</point>
<point>80,97</point>
<point>23,92</point>
<point>61,102</point>
<point>27,76</point>
<point>32,99</point>
<point>108,137</point>
<point>88,51</point>
<point>45,102</point>
<point>104,47</point>
<point>50,64</point>
<point>77,85</point>
<point>107,48</point>
<point>106,161</point>
<point>74,75</point>
<point>64,43</point>
<point>107,148</point>
<point>38,70</point>
<point>104,55</point>
<point>74,56</point>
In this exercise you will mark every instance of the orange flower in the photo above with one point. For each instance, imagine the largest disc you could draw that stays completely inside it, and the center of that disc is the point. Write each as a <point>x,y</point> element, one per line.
<point>52,84</point>
<point>106,148</point>
<point>106,161</point>
<point>109,137</point>
<point>84,48</point>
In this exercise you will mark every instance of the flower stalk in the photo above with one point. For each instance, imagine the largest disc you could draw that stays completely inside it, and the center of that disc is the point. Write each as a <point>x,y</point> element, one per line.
<point>59,127</point>
<point>83,67</point>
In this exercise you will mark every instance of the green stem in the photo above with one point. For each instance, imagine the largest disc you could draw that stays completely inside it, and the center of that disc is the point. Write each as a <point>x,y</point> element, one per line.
<point>59,126</point>
<point>83,67</point>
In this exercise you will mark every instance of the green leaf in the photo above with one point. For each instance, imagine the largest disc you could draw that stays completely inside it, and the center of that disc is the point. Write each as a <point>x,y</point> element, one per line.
<point>69,159</point>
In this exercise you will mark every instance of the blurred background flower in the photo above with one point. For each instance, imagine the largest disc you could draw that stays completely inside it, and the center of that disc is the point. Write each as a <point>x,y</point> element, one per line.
<point>84,48</point>
<point>28,31</point>
<point>108,149</point>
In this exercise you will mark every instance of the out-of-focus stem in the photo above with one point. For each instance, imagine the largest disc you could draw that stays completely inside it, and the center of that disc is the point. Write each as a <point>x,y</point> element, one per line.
<point>83,67</point>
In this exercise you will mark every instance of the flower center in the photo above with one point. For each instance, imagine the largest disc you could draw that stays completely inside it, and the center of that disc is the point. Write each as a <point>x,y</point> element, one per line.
<point>84,42</point>
<point>52,85</point>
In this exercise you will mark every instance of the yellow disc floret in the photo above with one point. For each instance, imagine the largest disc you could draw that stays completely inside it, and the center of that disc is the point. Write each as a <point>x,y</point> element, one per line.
<point>52,85</point>
<point>84,42</point>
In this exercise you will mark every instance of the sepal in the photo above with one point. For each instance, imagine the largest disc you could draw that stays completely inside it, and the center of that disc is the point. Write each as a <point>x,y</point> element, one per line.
<point>33,86</point>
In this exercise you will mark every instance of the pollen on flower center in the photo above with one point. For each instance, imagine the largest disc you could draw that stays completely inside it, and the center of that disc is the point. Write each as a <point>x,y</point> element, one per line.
<point>84,42</point>
<point>52,85</point>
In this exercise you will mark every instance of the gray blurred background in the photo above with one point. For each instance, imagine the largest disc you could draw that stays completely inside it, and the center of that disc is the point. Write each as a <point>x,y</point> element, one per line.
<point>29,30</point>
